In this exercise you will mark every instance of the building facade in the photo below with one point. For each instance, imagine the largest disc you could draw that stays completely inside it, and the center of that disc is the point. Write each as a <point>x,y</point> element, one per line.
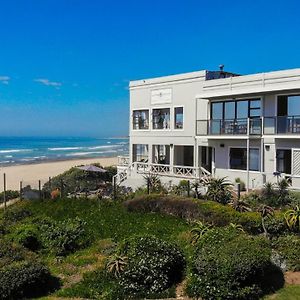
<point>215,123</point>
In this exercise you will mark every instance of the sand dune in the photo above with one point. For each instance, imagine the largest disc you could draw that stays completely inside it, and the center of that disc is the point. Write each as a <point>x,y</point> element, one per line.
<point>31,174</point>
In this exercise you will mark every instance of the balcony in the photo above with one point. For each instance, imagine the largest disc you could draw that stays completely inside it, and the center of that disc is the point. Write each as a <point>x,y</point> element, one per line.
<point>282,125</point>
<point>257,126</point>
<point>250,126</point>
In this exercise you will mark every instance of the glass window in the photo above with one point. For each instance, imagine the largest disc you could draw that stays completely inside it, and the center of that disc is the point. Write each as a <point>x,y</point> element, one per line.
<point>217,110</point>
<point>161,118</point>
<point>284,161</point>
<point>242,109</point>
<point>178,122</point>
<point>294,105</point>
<point>254,108</point>
<point>229,110</point>
<point>140,153</point>
<point>238,159</point>
<point>140,119</point>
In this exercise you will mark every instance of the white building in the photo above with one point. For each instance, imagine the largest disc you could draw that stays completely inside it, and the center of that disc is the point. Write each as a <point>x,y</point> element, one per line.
<point>187,125</point>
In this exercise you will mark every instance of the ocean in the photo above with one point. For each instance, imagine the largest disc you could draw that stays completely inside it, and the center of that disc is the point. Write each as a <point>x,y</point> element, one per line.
<point>25,150</point>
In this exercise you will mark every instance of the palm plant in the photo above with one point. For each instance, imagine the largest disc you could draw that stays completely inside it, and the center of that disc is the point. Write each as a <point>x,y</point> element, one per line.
<point>283,191</point>
<point>219,190</point>
<point>237,227</point>
<point>266,212</point>
<point>199,230</point>
<point>240,205</point>
<point>153,183</point>
<point>116,264</point>
<point>292,217</point>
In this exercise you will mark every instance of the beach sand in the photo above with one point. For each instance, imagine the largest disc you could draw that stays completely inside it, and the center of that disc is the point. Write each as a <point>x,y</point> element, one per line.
<point>31,174</point>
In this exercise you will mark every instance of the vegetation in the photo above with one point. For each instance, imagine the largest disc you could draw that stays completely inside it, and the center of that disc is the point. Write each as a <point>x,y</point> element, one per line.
<point>219,190</point>
<point>9,195</point>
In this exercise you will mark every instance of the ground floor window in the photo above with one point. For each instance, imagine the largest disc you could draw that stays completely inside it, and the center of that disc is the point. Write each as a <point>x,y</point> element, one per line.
<point>161,154</point>
<point>284,161</point>
<point>238,159</point>
<point>140,153</point>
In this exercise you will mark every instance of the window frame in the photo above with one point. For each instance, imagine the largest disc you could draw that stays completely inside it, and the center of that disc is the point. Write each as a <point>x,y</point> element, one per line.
<point>132,116</point>
<point>170,118</point>
<point>244,148</point>
<point>174,117</point>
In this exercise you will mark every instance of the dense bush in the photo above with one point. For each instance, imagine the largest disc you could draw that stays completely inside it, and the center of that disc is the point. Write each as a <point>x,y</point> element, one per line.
<point>231,265</point>
<point>76,180</point>
<point>21,275</point>
<point>153,266</point>
<point>9,195</point>
<point>63,237</point>
<point>27,236</point>
<point>16,213</point>
<point>289,249</point>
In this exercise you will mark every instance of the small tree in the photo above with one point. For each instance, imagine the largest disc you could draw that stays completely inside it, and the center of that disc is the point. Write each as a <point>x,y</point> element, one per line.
<point>266,212</point>
<point>219,190</point>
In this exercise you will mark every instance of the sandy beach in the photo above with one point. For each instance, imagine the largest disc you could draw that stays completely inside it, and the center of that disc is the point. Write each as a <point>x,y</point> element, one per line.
<point>31,174</point>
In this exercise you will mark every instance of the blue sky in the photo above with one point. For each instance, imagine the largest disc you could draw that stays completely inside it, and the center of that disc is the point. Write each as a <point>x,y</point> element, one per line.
<point>65,65</point>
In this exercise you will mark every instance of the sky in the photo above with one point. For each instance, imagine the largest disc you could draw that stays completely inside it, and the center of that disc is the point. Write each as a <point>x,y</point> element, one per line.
<point>65,65</point>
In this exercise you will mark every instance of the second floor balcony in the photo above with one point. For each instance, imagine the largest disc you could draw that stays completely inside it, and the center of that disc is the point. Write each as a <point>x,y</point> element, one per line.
<point>276,125</point>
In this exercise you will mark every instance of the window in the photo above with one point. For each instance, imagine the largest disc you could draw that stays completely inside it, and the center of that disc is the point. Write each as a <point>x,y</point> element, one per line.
<point>178,118</point>
<point>161,154</point>
<point>161,118</point>
<point>140,119</point>
<point>140,153</point>
<point>283,161</point>
<point>238,159</point>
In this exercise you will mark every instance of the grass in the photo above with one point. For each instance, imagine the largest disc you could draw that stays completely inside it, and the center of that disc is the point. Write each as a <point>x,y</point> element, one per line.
<point>291,292</point>
<point>107,224</point>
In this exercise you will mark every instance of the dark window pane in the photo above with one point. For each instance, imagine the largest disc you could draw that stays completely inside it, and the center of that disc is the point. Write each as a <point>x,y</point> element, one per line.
<point>178,117</point>
<point>284,161</point>
<point>242,109</point>
<point>217,110</point>
<point>238,158</point>
<point>254,160</point>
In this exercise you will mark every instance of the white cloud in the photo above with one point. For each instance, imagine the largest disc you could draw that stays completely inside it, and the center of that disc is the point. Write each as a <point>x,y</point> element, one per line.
<point>47,82</point>
<point>4,79</point>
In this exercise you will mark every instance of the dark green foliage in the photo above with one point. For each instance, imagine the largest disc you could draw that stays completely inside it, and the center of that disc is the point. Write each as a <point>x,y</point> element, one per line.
<point>232,265</point>
<point>242,183</point>
<point>219,190</point>
<point>63,237</point>
<point>21,275</point>
<point>153,183</point>
<point>9,195</point>
<point>77,180</point>
<point>289,248</point>
<point>23,279</point>
<point>15,214</point>
<point>98,284</point>
<point>153,266</point>
<point>27,236</point>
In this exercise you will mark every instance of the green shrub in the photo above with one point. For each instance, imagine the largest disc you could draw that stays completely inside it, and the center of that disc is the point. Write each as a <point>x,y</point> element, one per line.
<point>21,275</point>
<point>219,190</point>
<point>289,248</point>
<point>153,266</point>
<point>63,237</point>
<point>242,183</point>
<point>15,214</point>
<point>27,236</point>
<point>231,265</point>
<point>9,195</point>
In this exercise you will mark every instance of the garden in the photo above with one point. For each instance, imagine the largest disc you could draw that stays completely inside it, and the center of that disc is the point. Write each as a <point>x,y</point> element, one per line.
<point>156,243</point>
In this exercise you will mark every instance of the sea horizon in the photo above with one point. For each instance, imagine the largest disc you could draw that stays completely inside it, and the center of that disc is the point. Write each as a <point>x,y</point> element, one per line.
<point>31,150</point>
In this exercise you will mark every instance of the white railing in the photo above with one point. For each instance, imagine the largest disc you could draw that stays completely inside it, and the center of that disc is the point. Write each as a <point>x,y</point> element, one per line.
<point>123,161</point>
<point>162,170</point>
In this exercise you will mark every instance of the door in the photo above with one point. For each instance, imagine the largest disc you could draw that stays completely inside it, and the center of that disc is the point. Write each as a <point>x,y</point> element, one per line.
<point>206,158</point>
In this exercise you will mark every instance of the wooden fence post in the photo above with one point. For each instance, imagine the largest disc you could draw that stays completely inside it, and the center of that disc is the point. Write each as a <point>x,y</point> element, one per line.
<point>40,191</point>
<point>4,190</point>
<point>21,187</point>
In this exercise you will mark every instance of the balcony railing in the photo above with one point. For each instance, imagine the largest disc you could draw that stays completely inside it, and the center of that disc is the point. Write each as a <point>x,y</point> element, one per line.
<point>282,125</point>
<point>251,126</point>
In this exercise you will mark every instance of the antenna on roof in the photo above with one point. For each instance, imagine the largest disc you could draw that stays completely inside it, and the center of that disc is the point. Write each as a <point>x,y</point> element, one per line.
<point>221,67</point>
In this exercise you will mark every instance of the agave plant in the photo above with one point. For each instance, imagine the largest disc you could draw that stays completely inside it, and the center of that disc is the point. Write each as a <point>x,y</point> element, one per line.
<point>199,231</point>
<point>237,227</point>
<point>292,217</point>
<point>153,182</point>
<point>266,212</point>
<point>240,205</point>
<point>218,189</point>
<point>116,264</point>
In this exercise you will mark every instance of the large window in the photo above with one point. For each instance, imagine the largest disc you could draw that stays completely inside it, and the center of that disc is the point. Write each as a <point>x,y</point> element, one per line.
<point>161,154</point>
<point>240,109</point>
<point>238,159</point>
<point>140,153</point>
<point>178,118</point>
<point>140,119</point>
<point>161,118</point>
